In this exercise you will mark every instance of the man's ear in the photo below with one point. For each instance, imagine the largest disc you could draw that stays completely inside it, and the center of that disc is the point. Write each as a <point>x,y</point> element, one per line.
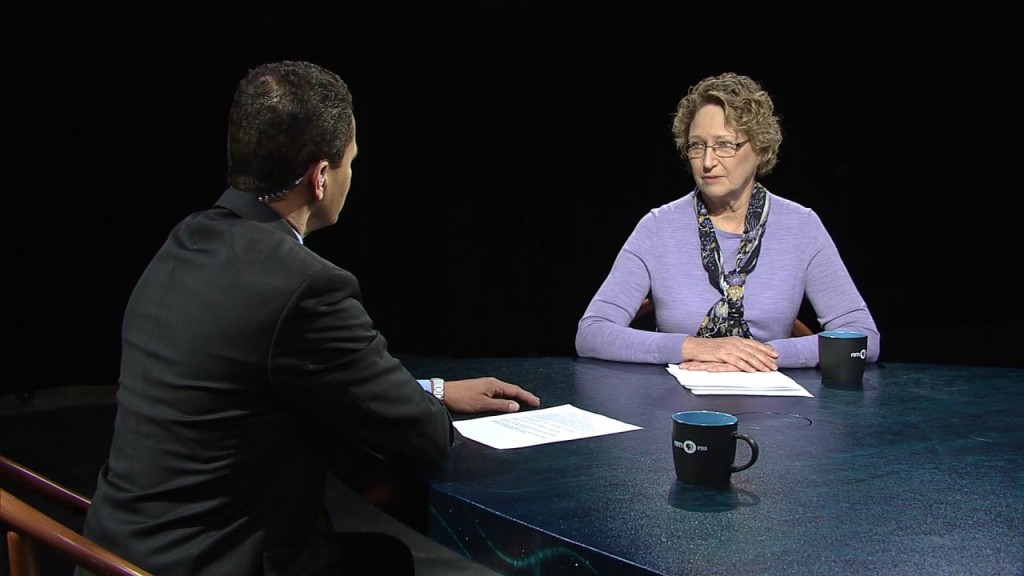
<point>318,178</point>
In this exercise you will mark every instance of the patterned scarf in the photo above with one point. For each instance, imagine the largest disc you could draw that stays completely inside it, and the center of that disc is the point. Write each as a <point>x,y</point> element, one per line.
<point>725,318</point>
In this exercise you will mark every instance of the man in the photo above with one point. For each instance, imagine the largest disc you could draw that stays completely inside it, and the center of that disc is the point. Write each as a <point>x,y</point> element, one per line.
<point>247,359</point>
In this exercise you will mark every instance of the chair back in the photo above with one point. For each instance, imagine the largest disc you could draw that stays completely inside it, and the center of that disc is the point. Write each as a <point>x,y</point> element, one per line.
<point>11,471</point>
<point>27,528</point>
<point>644,319</point>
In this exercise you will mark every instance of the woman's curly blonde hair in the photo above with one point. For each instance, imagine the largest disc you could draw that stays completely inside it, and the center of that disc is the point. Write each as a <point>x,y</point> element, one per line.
<point>748,110</point>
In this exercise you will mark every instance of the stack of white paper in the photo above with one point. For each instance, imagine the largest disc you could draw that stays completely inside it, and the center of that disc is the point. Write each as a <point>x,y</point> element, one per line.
<point>541,426</point>
<point>741,383</point>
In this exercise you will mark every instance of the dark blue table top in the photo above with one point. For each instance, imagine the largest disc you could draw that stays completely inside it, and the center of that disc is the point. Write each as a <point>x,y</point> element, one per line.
<point>918,471</point>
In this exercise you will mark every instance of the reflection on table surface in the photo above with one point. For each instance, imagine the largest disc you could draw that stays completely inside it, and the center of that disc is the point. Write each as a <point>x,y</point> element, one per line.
<point>916,471</point>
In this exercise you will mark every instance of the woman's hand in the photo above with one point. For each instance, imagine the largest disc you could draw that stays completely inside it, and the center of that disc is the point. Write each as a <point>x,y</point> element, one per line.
<point>729,354</point>
<point>486,395</point>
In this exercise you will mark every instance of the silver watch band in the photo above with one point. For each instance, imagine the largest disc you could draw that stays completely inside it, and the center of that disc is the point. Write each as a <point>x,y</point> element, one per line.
<point>437,387</point>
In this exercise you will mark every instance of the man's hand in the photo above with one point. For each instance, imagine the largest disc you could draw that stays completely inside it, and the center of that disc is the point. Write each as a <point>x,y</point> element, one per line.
<point>486,395</point>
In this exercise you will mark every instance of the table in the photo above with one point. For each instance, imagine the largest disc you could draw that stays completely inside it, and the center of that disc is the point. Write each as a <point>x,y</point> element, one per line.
<point>919,470</point>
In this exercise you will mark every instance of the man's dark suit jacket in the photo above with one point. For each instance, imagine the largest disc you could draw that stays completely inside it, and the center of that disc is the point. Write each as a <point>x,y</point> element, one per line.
<point>245,358</point>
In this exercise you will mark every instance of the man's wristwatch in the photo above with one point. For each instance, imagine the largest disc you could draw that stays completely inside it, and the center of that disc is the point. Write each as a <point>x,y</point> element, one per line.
<point>437,387</point>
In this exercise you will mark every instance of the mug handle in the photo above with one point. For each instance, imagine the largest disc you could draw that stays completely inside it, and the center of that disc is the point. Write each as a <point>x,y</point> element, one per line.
<point>753,451</point>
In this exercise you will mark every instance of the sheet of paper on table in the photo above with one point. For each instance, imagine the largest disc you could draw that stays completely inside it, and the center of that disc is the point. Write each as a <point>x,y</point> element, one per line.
<point>541,426</point>
<point>775,383</point>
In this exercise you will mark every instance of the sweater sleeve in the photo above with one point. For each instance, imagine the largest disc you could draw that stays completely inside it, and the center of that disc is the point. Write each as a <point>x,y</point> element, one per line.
<point>604,331</point>
<point>835,298</point>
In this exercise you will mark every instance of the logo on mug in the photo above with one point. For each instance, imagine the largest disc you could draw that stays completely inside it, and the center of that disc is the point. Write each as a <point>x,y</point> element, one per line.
<point>863,354</point>
<point>688,446</point>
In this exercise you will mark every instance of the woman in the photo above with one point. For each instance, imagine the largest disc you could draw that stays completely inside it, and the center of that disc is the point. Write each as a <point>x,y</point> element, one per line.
<point>728,265</point>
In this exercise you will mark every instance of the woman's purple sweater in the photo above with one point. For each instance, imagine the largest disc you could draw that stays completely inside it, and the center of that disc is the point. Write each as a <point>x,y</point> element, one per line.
<point>662,257</point>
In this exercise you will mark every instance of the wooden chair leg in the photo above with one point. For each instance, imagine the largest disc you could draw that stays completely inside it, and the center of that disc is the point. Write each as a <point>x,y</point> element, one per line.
<point>21,555</point>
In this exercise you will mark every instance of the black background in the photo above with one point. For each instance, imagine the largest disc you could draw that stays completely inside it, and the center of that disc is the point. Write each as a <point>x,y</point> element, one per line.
<point>507,149</point>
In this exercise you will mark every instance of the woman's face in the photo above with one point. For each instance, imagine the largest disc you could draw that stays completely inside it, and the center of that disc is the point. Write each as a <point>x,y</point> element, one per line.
<point>721,179</point>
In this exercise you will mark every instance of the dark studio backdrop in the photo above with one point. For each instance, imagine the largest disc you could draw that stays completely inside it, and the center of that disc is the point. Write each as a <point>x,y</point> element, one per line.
<point>507,149</point>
